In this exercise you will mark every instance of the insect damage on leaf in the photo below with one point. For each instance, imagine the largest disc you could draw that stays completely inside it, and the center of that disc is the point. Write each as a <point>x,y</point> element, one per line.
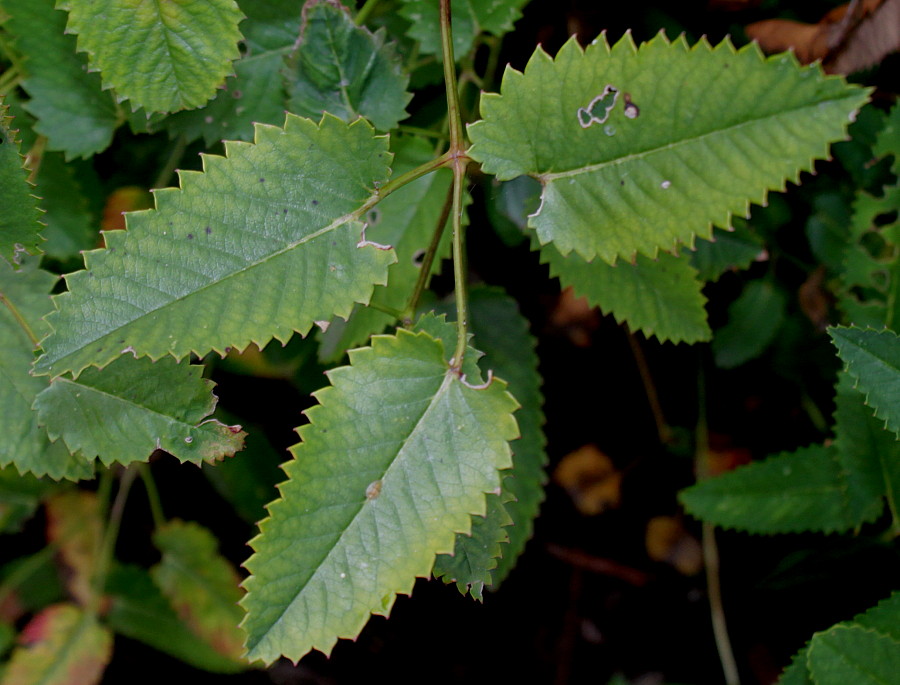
<point>597,112</point>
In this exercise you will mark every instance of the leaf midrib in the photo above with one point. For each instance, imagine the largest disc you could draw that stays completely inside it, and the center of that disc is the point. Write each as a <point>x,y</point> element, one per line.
<point>590,168</point>
<point>439,393</point>
<point>44,363</point>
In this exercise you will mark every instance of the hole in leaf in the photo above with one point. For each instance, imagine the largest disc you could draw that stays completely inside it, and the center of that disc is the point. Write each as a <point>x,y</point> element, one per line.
<point>597,112</point>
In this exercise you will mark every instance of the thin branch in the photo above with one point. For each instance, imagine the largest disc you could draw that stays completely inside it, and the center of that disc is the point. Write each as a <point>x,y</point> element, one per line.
<point>156,510</point>
<point>662,426</point>
<point>108,544</point>
<point>363,15</point>
<point>458,161</point>
<point>428,259</point>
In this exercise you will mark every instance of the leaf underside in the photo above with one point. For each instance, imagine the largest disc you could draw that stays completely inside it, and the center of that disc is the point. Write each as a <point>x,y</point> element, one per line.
<point>162,56</point>
<point>264,242</point>
<point>396,458</point>
<point>643,149</point>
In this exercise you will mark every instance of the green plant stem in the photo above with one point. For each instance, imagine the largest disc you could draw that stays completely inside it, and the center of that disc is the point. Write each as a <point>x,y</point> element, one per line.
<point>428,259</point>
<point>17,315</point>
<point>364,12</point>
<point>156,510</point>
<point>458,160</point>
<point>390,311</point>
<point>710,549</point>
<point>110,535</point>
<point>24,571</point>
<point>419,131</point>
<point>168,170</point>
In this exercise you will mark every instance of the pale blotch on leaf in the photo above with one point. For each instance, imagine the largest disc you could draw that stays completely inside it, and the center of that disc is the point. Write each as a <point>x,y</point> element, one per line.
<point>373,490</point>
<point>597,112</point>
<point>665,185</point>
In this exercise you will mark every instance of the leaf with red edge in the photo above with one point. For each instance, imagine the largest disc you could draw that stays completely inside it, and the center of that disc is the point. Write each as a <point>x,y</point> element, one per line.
<point>62,645</point>
<point>200,584</point>
<point>74,525</point>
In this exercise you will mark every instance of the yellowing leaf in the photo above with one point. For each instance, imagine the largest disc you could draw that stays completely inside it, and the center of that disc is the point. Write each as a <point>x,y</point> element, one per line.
<point>60,646</point>
<point>74,525</point>
<point>591,480</point>
<point>200,584</point>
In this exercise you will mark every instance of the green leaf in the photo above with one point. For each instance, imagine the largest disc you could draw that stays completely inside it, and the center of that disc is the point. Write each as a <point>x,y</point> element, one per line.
<point>871,270</point>
<point>393,463</point>
<point>869,455</point>
<point>728,250</point>
<point>248,479</point>
<point>201,585</point>
<point>753,322</point>
<point>405,219</point>
<point>133,407</point>
<point>853,654</point>
<point>75,525</point>
<point>75,115</point>
<point>270,24</point>
<point>475,555</point>
<point>661,297</point>
<point>501,332</point>
<point>786,493</point>
<point>137,609</point>
<point>888,141</point>
<point>345,70</point>
<point>264,242</point>
<point>162,56</point>
<point>470,17</point>
<point>254,95</point>
<point>60,646</point>
<point>20,220</point>
<point>676,156</point>
<point>24,300</point>
<point>797,672</point>
<point>20,496</point>
<point>884,619</point>
<point>873,360</point>
<point>71,226</point>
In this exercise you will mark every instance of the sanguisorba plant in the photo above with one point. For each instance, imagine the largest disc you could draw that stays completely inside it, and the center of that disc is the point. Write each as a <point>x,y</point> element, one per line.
<point>425,454</point>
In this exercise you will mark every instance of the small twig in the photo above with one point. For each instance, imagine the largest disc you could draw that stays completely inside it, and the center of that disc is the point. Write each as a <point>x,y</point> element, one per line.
<point>600,565</point>
<point>662,426</point>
